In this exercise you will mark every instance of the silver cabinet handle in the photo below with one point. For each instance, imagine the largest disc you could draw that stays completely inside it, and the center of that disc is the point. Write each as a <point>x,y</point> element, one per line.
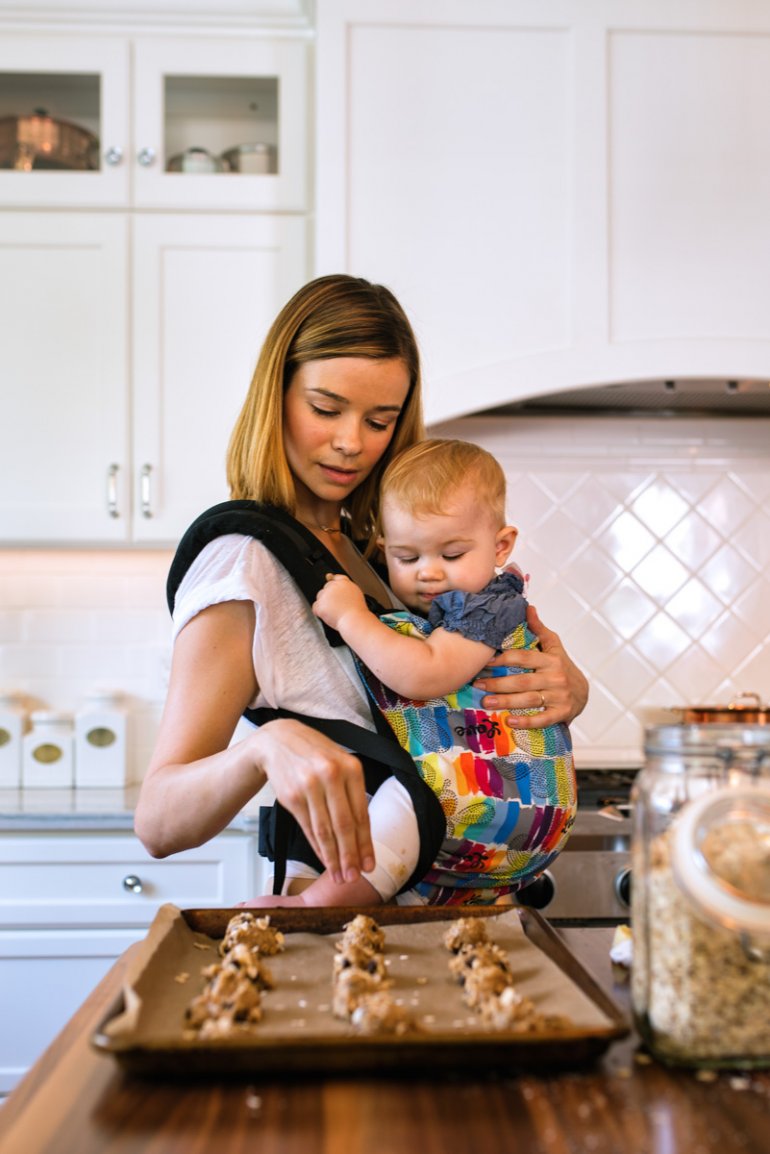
<point>113,156</point>
<point>146,157</point>
<point>112,491</point>
<point>145,490</point>
<point>133,884</point>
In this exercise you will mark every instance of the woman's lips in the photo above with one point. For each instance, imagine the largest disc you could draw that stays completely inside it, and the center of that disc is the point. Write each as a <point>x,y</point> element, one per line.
<point>339,476</point>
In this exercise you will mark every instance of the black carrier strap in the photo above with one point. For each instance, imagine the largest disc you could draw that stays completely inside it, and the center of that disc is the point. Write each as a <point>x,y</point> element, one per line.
<point>308,562</point>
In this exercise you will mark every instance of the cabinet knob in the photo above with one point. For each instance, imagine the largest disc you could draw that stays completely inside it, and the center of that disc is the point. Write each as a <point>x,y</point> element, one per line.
<point>113,156</point>
<point>133,884</point>
<point>146,157</point>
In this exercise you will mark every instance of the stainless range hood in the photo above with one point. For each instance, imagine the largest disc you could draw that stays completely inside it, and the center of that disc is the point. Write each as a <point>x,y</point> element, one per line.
<point>734,398</point>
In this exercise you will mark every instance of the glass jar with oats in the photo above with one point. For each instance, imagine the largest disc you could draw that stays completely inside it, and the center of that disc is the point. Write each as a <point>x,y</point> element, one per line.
<point>700,903</point>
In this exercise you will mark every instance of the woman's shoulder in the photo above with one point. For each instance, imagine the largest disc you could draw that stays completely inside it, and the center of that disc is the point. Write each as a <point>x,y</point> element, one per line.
<point>233,567</point>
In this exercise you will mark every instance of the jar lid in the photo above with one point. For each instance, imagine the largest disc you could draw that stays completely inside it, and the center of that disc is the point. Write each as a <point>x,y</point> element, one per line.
<point>721,857</point>
<point>50,717</point>
<point>709,738</point>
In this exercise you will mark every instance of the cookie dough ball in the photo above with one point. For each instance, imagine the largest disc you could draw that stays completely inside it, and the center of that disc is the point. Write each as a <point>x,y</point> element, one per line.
<point>255,933</point>
<point>465,932</point>
<point>379,1014</point>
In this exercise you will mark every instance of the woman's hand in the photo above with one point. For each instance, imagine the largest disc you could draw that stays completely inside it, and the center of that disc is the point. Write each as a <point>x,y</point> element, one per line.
<point>556,688</point>
<point>322,786</point>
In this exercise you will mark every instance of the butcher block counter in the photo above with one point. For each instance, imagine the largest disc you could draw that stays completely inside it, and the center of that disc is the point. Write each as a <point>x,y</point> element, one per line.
<point>76,1098</point>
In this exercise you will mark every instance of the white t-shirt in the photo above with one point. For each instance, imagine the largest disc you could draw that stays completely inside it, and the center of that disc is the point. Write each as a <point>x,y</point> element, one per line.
<point>294,664</point>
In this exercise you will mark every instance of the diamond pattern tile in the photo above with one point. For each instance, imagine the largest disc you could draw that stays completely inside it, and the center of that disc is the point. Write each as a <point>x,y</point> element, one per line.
<point>648,543</point>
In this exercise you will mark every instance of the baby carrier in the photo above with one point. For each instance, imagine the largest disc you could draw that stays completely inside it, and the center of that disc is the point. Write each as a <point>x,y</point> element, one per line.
<point>508,794</point>
<point>308,562</point>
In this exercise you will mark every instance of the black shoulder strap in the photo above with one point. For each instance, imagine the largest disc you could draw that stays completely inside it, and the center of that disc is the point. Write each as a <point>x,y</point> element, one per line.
<point>298,550</point>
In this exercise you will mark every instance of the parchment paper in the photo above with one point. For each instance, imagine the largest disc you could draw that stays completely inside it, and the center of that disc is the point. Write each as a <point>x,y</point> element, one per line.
<point>299,1008</point>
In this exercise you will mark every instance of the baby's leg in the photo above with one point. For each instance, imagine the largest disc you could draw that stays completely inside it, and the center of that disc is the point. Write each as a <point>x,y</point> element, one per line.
<point>396,839</point>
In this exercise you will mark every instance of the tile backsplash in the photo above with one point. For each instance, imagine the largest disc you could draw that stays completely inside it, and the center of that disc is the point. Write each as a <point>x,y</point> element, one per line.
<point>647,541</point>
<point>648,544</point>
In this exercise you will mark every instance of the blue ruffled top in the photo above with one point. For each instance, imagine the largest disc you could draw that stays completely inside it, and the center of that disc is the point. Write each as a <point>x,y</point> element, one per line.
<point>488,616</point>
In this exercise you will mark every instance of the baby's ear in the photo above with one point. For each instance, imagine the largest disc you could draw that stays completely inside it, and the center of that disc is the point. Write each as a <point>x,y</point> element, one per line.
<point>504,542</point>
<point>380,542</point>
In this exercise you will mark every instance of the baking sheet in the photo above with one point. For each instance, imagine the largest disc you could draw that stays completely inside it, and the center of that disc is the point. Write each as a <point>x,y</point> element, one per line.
<point>145,1029</point>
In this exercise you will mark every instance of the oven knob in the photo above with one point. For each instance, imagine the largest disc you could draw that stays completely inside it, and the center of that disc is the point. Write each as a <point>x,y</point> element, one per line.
<point>539,893</point>
<point>623,887</point>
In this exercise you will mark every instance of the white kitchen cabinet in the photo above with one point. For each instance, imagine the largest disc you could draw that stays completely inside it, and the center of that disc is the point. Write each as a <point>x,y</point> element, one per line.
<point>560,195</point>
<point>71,903</point>
<point>133,299</point>
<point>214,93</point>
<point>83,80</point>
<point>65,375</point>
<point>205,288</point>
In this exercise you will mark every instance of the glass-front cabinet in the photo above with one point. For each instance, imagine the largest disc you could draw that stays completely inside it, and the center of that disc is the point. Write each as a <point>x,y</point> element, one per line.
<point>64,121</point>
<point>214,124</point>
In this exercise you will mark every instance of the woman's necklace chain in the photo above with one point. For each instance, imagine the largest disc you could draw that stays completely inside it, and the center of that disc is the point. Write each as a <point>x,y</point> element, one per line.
<point>323,528</point>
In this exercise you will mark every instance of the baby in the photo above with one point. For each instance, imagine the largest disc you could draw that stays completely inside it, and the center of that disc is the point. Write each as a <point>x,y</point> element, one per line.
<point>508,794</point>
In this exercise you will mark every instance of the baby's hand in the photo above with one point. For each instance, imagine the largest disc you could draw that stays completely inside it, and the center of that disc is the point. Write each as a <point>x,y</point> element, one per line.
<point>338,597</point>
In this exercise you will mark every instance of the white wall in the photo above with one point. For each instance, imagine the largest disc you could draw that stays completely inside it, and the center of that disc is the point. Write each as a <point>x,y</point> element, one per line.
<point>647,541</point>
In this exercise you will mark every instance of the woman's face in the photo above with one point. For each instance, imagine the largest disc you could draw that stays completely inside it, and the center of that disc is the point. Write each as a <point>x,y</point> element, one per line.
<point>339,417</point>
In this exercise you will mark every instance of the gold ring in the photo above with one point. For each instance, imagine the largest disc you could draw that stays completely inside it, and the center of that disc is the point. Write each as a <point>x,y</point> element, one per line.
<point>542,701</point>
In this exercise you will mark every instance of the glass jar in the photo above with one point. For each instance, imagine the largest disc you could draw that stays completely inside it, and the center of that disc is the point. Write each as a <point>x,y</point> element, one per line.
<point>700,908</point>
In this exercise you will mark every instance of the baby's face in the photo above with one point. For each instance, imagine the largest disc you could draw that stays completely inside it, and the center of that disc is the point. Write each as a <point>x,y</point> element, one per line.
<point>433,553</point>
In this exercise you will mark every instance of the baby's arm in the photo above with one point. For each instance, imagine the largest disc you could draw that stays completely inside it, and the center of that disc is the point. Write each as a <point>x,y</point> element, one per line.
<point>416,667</point>
<point>324,891</point>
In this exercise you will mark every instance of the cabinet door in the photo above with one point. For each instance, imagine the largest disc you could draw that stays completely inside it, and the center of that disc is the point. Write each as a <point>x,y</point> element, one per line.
<point>44,976</point>
<point>78,80</point>
<point>216,95</point>
<point>444,171</point>
<point>63,326</point>
<point>206,289</point>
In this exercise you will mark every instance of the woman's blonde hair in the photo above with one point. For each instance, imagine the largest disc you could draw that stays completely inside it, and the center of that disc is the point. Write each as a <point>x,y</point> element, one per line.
<point>332,316</point>
<point>424,478</point>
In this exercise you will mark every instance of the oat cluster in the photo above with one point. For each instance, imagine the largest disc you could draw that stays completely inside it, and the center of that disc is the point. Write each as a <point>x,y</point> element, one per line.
<point>361,988</point>
<point>483,970</point>
<point>231,1001</point>
<point>700,992</point>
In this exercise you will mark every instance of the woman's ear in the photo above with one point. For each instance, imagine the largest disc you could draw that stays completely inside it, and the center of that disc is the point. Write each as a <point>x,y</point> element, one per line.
<point>504,542</point>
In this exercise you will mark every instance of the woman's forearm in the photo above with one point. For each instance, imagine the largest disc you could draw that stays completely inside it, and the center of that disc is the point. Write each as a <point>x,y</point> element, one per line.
<point>184,805</point>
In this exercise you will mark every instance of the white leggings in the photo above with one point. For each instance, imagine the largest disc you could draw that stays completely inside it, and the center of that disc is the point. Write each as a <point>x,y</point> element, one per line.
<point>396,839</point>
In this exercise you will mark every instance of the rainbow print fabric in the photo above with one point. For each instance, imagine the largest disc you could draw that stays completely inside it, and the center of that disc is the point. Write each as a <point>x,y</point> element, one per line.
<point>508,794</point>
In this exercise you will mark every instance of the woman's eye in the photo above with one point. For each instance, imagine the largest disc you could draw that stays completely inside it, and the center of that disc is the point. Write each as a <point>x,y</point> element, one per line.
<point>323,412</point>
<point>378,426</point>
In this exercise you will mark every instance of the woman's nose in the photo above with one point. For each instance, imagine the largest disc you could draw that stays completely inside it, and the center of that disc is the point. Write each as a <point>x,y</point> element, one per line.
<point>347,438</point>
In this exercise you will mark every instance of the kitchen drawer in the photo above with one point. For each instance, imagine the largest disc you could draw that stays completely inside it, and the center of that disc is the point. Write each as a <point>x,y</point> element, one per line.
<point>110,880</point>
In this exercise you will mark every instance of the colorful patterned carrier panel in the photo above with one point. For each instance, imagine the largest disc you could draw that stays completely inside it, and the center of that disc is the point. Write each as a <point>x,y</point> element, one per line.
<point>508,794</point>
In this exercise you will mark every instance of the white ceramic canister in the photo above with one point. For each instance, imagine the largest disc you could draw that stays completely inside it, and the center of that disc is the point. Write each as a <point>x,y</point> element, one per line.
<point>48,751</point>
<point>101,725</point>
<point>13,723</point>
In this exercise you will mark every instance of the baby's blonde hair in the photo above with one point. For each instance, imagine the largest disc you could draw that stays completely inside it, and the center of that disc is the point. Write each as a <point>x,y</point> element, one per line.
<point>424,478</point>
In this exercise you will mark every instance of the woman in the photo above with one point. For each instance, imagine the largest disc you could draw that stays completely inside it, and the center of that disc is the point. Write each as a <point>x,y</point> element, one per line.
<point>335,395</point>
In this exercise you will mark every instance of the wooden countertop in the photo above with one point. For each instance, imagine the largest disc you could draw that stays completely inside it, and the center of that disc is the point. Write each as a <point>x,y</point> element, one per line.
<point>75,1099</point>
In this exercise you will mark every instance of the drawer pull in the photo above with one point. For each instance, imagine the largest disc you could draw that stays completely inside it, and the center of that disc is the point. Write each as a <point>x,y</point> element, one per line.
<point>133,884</point>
